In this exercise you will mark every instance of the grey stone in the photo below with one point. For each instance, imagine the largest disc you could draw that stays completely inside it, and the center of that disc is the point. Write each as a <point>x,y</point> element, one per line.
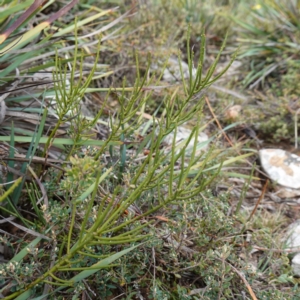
<point>281,166</point>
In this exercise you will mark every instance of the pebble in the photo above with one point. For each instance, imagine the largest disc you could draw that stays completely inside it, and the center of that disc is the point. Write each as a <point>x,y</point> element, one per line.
<point>281,166</point>
<point>293,241</point>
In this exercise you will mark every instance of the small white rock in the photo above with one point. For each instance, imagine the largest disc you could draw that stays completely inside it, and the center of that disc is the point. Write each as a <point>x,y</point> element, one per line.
<point>296,264</point>
<point>281,166</point>
<point>293,241</point>
<point>233,112</point>
<point>293,235</point>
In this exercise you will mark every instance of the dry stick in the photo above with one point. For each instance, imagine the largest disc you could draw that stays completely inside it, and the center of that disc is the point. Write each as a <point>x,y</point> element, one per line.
<point>39,160</point>
<point>218,123</point>
<point>259,200</point>
<point>225,135</point>
<point>241,275</point>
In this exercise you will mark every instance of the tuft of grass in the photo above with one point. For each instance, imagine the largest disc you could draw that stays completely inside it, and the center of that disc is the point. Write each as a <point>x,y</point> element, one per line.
<point>270,40</point>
